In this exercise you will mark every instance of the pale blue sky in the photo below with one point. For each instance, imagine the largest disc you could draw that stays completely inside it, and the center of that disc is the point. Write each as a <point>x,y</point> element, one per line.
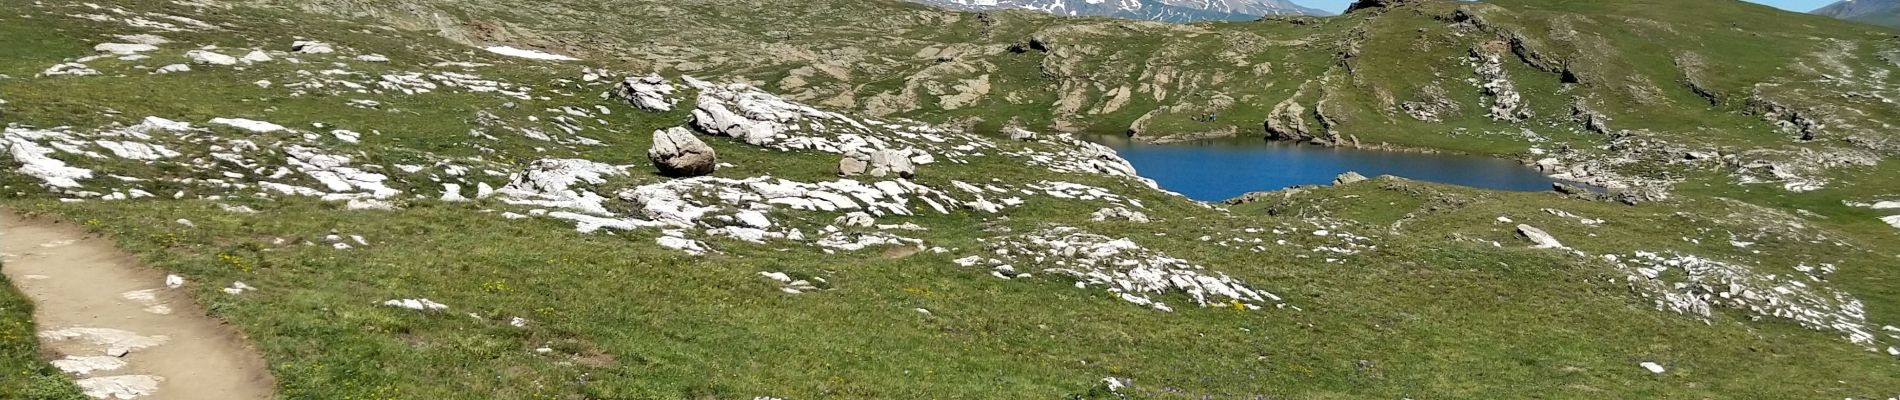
<point>1791,5</point>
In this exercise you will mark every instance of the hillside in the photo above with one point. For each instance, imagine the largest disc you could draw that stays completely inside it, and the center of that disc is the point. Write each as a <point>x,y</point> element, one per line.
<point>1878,12</point>
<point>324,174</point>
<point>1179,11</point>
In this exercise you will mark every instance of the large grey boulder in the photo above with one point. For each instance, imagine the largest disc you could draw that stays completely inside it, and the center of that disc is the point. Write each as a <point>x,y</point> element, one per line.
<point>678,153</point>
<point>853,166</point>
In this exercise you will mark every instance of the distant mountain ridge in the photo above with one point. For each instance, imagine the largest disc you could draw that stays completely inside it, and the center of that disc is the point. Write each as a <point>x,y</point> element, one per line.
<point>1878,12</point>
<point>1179,11</point>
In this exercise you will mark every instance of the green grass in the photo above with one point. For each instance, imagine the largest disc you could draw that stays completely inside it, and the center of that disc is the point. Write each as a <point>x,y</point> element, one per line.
<point>23,374</point>
<point>1434,311</point>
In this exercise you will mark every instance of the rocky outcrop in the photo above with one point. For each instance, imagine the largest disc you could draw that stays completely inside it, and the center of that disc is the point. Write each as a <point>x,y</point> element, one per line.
<point>879,163</point>
<point>1799,122</point>
<point>892,162</point>
<point>1507,105</point>
<point>1288,122</point>
<point>677,153</point>
<point>1350,177</point>
<point>651,93</point>
<point>1592,120</point>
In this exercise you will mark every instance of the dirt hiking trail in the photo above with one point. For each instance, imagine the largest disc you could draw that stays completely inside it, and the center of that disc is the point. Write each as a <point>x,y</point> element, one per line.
<point>119,328</point>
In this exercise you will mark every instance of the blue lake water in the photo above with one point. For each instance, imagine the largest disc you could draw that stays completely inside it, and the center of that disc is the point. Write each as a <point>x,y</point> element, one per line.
<point>1223,169</point>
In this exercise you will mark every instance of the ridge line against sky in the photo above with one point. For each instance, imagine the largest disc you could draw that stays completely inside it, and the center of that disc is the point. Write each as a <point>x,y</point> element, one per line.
<point>1800,6</point>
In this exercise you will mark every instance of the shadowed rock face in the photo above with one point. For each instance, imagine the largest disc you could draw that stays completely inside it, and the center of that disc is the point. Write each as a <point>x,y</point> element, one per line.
<point>1370,4</point>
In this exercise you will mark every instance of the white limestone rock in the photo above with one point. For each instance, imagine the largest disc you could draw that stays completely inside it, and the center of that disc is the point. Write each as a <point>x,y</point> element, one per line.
<point>892,162</point>
<point>121,387</point>
<point>311,47</point>
<point>651,93</point>
<point>86,365</point>
<point>69,69</point>
<point>207,57</point>
<point>1119,214</point>
<point>255,56</point>
<point>676,152</point>
<point>557,183</point>
<point>171,69</point>
<point>1543,240</point>
<point>250,125</point>
<point>1653,368</point>
<point>124,48</point>
<point>36,160</point>
<point>416,304</point>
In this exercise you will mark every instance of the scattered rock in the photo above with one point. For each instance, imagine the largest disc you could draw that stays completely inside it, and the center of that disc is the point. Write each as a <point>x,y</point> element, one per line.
<point>238,288</point>
<point>1119,214</point>
<point>123,48</point>
<point>255,56</point>
<point>1653,367</point>
<point>207,57</point>
<point>1542,239</point>
<point>416,304</point>
<point>310,47</point>
<point>69,69</point>
<point>651,93</point>
<point>174,68</point>
<point>691,247</point>
<point>86,365</point>
<point>1020,134</point>
<point>852,166</point>
<point>892,162</point>
<point>119,387</point>
<point>856,219</point>
<point>678,153</point>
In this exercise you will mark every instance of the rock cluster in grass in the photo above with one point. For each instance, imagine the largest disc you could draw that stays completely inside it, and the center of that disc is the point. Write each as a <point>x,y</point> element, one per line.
<point>1129,271</point>
<point>1697,286</point>
<point>651,93</point>
<point>1506,103</point>
<point>1118,214</point>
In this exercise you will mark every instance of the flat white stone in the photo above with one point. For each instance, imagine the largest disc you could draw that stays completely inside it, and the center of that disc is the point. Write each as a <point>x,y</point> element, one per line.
<point>123,48</point>
<point>1652,367</point>
<point>249,125</point>
<point>124,387</point>
<point>106,337</point>
<point>86,365</point>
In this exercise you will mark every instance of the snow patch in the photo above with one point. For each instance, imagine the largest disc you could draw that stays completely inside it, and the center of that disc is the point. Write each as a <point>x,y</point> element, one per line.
<point>528,54</point>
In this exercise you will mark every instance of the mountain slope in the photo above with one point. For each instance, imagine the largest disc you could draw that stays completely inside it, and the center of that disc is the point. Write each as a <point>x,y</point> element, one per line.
<point>1443,75</point>
<point>1878,12</point>
<point>491,158</point>
<point>1154,10</point>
